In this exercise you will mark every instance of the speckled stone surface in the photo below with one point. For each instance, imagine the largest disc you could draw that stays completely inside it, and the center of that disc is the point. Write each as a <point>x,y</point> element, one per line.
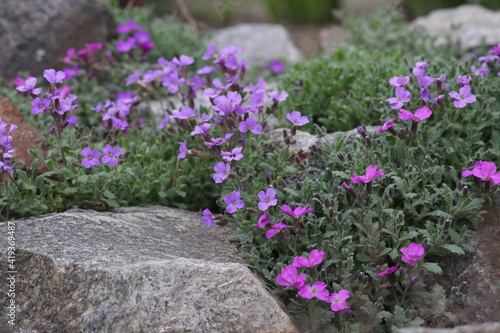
<point>483,328</point>
<point>140,269</point>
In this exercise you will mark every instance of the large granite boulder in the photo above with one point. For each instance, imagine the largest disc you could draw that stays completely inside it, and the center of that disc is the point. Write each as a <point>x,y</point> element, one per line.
<point>150,269</point>
<point>35,34</point>
<point>471,25</point>
<point>261,42</point>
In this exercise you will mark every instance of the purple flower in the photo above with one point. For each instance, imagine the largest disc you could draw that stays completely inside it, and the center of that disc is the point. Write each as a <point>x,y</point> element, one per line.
<point>338,300</point>
<point>143,40</point>
<point>275,97</point>
<point>201,129</point>
<point>389,270</point>
<point>39,105</point>
<point>399,81</point>
<point>185,113</point>
<point>259,87</point>
<point>388,124</point>
<point>210,52</point>
<point>486,171</point>
<point>184,151</point>
<point>54,77</point>
<point>371,173</point>
<point>207,218</point>
<point>421,114</point>
<point>437,99</point>
<point>402,96</point>
<point>318,290</point>
<point>110,155</point>
<point>225,105</point>
<point>219,141</point>
<point>276,66</point>
<point>489,58</point>
<point>463,97</point>
<point>233,155</point>
<point>71,121</point>
<point>412,253</point>
<point>262,221</point>
<point>125,46</point>
<point>183,60</point>
<point>267,199</point>
<point>315,258</point>
<point>163,122</point>
<point>90,157</point>
<point>464,80</point>
<point>289,278</point>
<point>297,119</point>
<point>481,71</point>
<point>425,81</point>
<point>233,201</point>
<point>128,27</point>
<point>250,125</point>
<point>172,81</point>
<point>29,86</point>
<point>275,229</point>
<point>420,68</point>
<point>221,172</point>
<point>495,50</point>
<point>297,212</point>
<point>205,70</point>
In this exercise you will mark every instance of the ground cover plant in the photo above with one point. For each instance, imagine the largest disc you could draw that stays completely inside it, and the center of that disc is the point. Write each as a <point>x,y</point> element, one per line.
<point>348,237</point>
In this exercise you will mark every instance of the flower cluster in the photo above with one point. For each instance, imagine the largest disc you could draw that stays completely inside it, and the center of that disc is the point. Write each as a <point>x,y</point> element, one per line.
<point>136,39</point>
<point>289,277</point>
<point>110,156</point>
<point>6,147</point>
<point>84,57</point>
<point>114,113</point>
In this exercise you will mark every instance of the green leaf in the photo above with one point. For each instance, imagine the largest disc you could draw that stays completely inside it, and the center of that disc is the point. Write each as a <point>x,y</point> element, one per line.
<point>51,164</point>
<point>109,195</point>
<point>111,203</point>
<point>70,190</point>
<point>432,267</point>
<point>453,248</point>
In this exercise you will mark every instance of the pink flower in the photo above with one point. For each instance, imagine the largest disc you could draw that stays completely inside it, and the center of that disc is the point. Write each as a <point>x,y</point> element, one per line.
<point>207,218</point>
<point>338,300</point>
<point>399,81</point>
<point>275,228</point>
<point>371,173</point>
<point>110,155</point>
<point>388,124</point>
<point>389,270</point>
<point>412,253</point>
<point>289,278</point>
<point>90,157</point>
<point>420,114</point>
<point>463,97</point>
<point>233,201</point>
<point>318,290</point>
<point>221,172</point>
<point>267,199</point>
<point>184,151</point>
<point>297,212</point>
<point>402,96</point>
<point>315,258</point>
<point>486,171</point>
<point>233,155</point>
<point>262,221</point>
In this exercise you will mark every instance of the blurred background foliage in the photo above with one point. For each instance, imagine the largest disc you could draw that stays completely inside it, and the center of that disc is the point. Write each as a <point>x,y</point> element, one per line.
<point>217,13</point>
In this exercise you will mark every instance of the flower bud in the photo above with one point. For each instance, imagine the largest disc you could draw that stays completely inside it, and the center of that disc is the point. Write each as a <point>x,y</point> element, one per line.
<point>349,156</point>
<point>331,213</point>
<point>341,156</point>
<point>285,134</point>
<point>76,164</point>
<point>252,210</point>
<point>325,245</point>
<point>298,185</point>
<point>283,182</point>
<point>465,191</point>
<point>447,224</point>
<point>329,174</point>
<point>267,177</point>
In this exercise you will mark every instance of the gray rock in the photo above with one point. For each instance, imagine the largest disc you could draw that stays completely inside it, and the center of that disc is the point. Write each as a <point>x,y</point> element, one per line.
<point>471,25</point>
<point>305,140</point>
<point>261,42</point>
<point>149,269</point>
<point>35,34</point>
<point>482,328</point>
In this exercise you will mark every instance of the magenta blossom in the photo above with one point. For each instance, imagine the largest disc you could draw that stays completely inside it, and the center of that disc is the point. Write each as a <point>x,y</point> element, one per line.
<point>421,114</point>
<point>128,27</point>
<point>388,124</point>
<point>275,228</point>
<point>207,218</point>
<point>402,96</point>
<point>90,157</point>
<point>412,253</point>
<point>315,258</point>
<point>297,212</point>
<point>262,221</point>
<point>371,173</point>
<point>297,119</point>
<point>289,277</point>
<point>276,66</point>
<point>29,86</point>
<point>233,201</point>
<point>463,97</point>
<point>267,199</point>
<point>486,171</point>
<point>110,155</point>
<point>338,300</point>
<point>221,172</point>
<point>389,270</point>
<point>184,151</point>
<point>318,290</point>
